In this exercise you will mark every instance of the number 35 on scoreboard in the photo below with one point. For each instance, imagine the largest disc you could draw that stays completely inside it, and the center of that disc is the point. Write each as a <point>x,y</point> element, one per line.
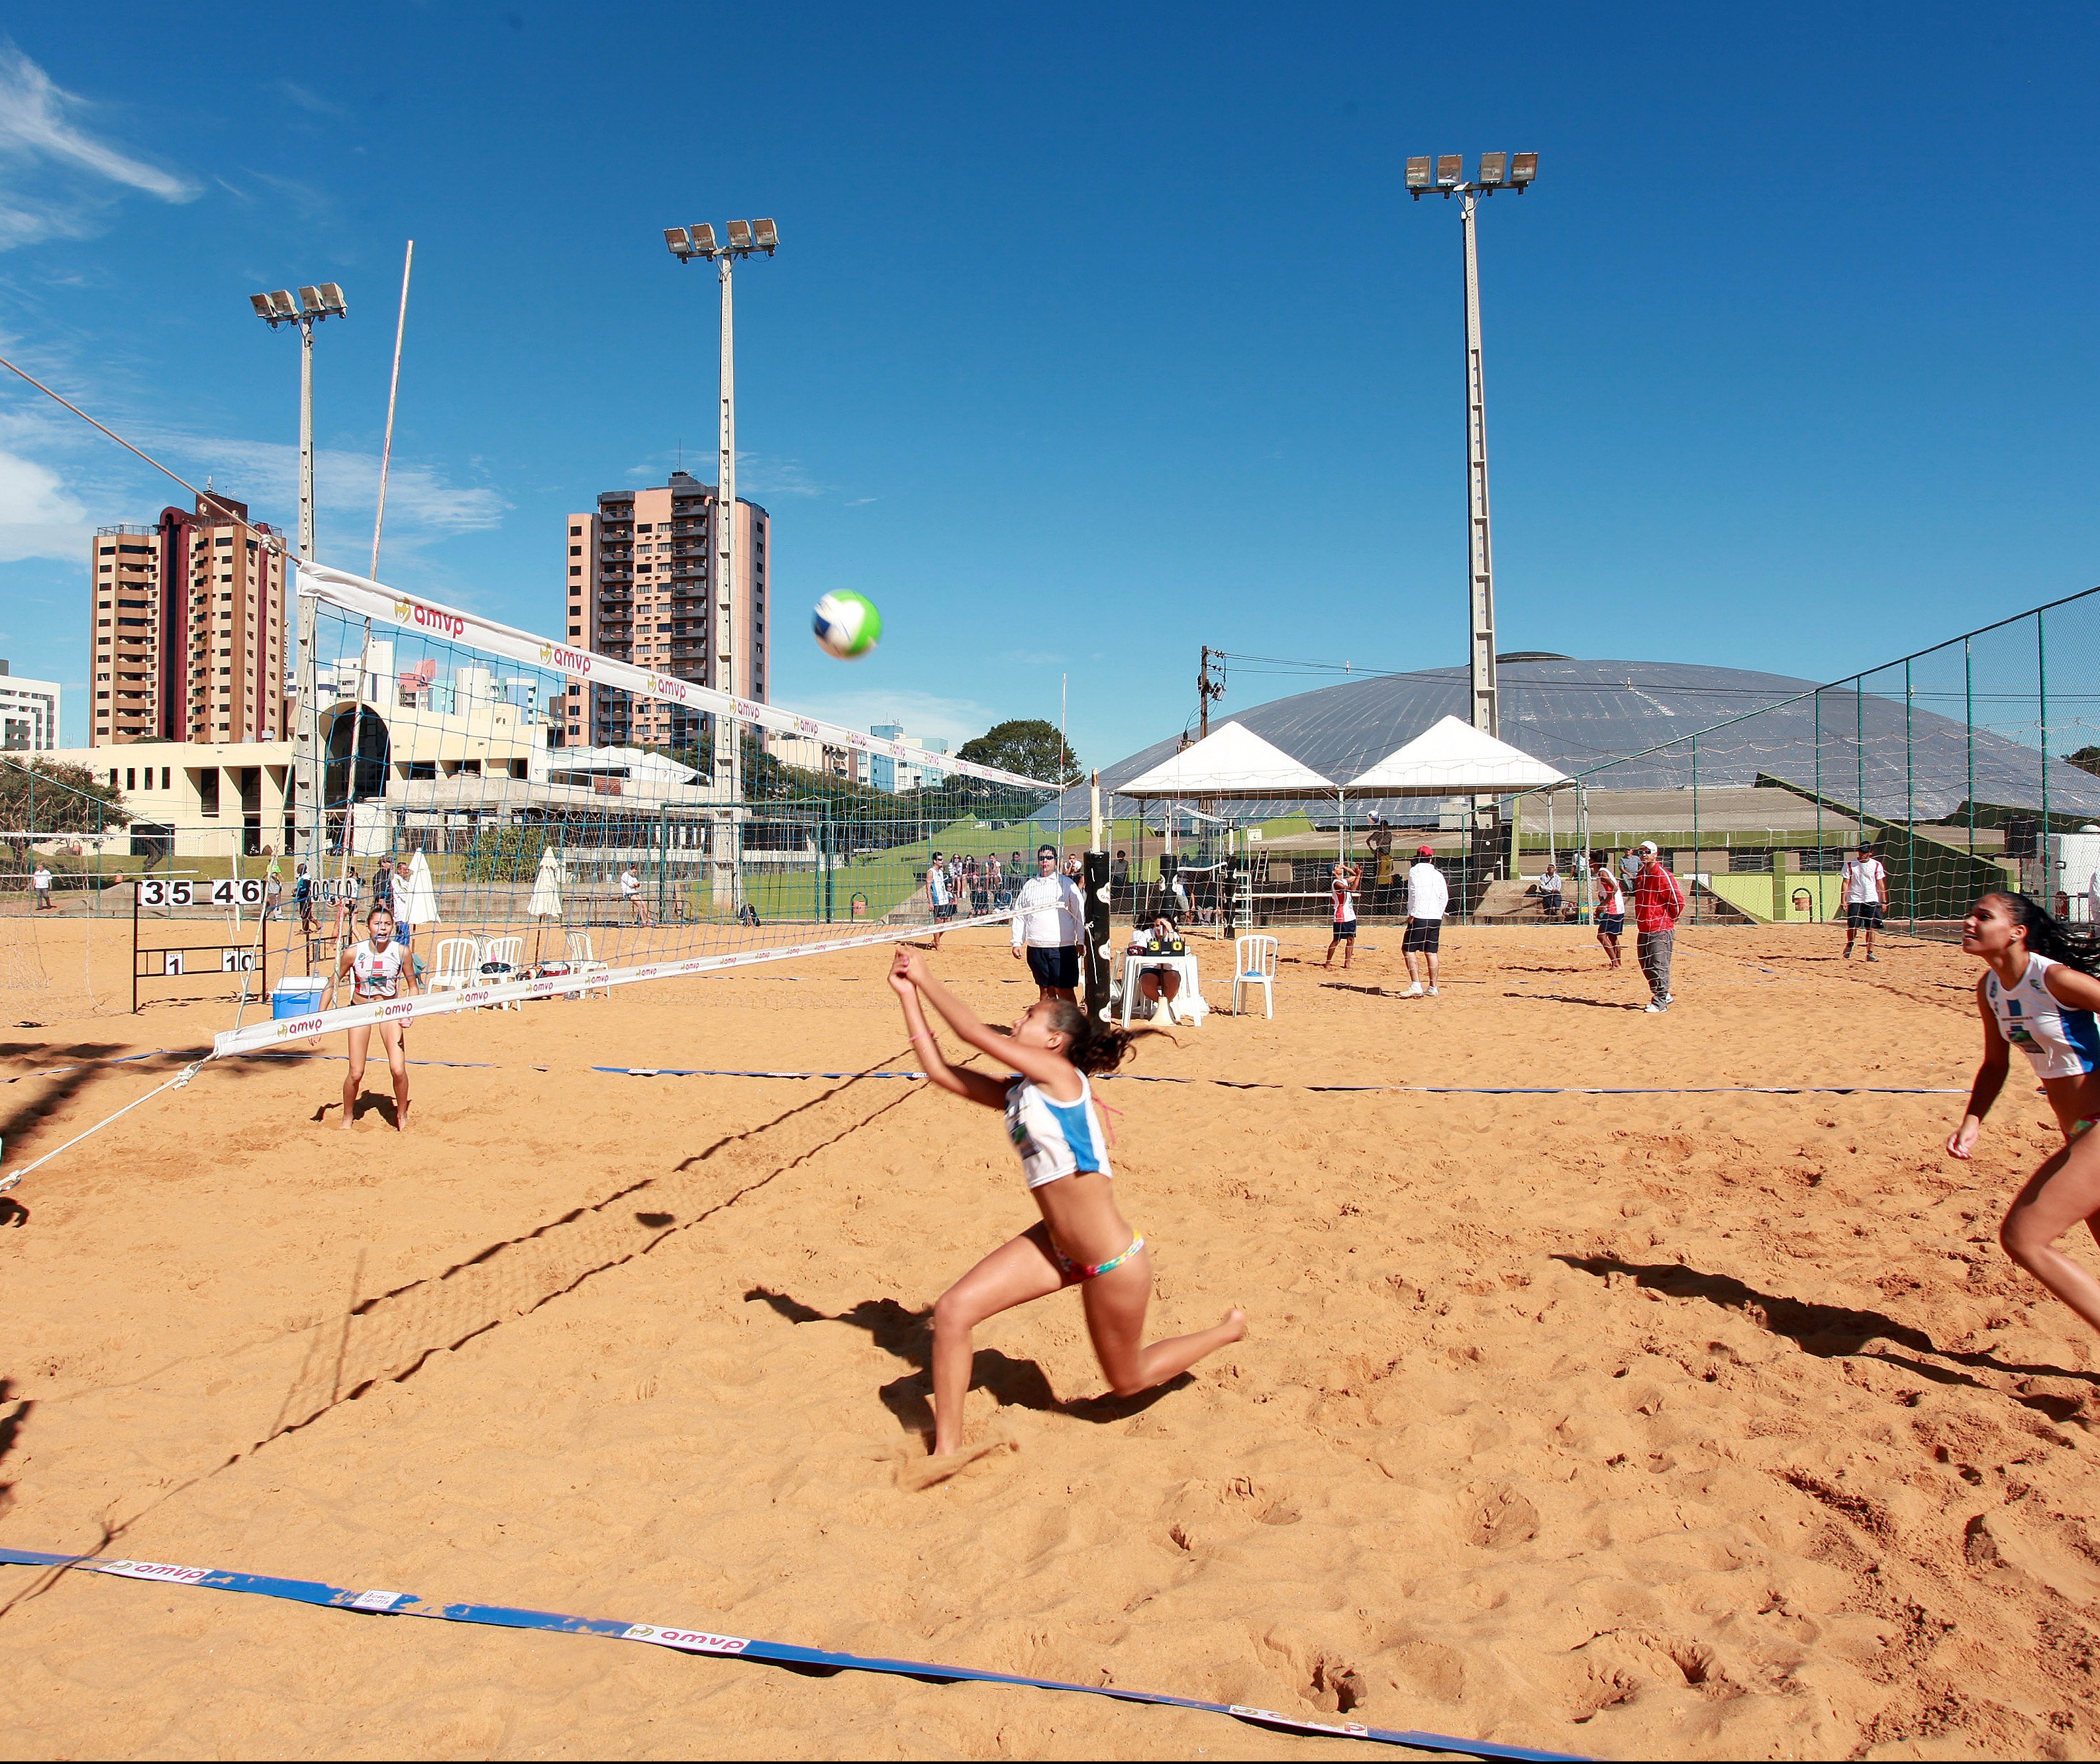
<point>158,891</point>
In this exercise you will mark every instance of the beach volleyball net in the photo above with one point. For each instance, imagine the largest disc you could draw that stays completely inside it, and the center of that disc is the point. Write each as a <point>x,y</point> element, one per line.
<point>436,768</point>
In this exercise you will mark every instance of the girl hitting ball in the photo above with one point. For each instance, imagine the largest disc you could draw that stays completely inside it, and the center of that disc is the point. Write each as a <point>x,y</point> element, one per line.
<point>1082,1240</point>
<point>2038,992</point>
<point>378,969</point>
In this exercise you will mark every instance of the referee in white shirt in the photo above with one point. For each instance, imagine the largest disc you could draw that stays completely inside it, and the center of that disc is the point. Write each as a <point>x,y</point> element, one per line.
<point>1429,895</point>
<point>1050,923</point>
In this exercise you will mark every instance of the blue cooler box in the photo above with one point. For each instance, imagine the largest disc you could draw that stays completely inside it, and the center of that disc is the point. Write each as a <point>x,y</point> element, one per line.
<point>298,996</point>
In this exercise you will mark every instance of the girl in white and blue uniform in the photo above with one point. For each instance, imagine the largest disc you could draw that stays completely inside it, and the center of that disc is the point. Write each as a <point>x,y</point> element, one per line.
<point>1082,1240</point>
<point>2039,993</point>
<point>378,969</point>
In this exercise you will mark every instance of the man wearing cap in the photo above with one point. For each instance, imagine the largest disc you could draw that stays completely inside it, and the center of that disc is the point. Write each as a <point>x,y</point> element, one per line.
<point>1049,924</point>
<point>1427,896</point>
<point>1658,899</point>
<point>1866,886</point>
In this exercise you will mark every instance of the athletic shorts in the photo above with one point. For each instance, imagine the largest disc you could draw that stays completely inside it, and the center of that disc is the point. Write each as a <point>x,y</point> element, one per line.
<point>1345,930</point>
<point>1058,967</point>
<point>1867,913</point>
<point>947,912</point>
<point>1611,924</point>
<point>1421,937</point>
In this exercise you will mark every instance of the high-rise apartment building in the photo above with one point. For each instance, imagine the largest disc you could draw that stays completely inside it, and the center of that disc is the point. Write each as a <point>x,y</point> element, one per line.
<point>29,713</point>
<point>640,588</point>
<point>188,622</point>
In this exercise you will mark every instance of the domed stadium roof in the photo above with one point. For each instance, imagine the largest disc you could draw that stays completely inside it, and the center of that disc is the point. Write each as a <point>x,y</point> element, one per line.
<point>1857,749</point>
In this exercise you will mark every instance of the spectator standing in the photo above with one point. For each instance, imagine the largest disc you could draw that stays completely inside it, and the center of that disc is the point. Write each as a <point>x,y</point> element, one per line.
<point>1866,884</point>
<point>303,897</point>
<point>1049,924</point>
<point>1658,900</point>
<point>1119,893</point>
<point>39,881</point>
<point>1429,895</point>
<point>939,896</point>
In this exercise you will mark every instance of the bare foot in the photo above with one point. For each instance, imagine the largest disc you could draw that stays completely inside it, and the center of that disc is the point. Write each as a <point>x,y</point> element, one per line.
<point>348,1120</point>
<point>401,1119</point>
<point>1236,1322</point>
<point>915,1475</point>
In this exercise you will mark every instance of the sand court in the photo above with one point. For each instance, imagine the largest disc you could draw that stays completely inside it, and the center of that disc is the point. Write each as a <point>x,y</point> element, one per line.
<point>1704,1421</point>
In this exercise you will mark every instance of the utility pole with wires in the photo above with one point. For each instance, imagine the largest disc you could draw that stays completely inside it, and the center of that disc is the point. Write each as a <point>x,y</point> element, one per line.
<point>1207,688</point>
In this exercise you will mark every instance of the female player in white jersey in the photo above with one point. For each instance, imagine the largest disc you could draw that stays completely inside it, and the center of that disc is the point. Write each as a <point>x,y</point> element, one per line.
<point>1082,1240</point>
<point>378,969</point>
<point>2038,992</point>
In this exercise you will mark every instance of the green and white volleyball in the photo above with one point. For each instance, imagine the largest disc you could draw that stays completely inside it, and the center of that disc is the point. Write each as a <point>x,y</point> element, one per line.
<point>847,624</point>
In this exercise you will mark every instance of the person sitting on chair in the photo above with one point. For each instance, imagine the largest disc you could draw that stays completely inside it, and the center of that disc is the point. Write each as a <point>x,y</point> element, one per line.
<point>1549,891</point>
<point>1154,983</point>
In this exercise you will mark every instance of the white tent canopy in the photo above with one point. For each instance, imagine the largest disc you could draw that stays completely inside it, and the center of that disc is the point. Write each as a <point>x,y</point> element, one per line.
<point>1231,762</point>
<point>1453,759</point>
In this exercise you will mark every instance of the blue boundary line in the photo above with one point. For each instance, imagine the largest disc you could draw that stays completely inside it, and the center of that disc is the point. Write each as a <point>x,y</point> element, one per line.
<point>319,1593</point>
<point>1424,1090</point>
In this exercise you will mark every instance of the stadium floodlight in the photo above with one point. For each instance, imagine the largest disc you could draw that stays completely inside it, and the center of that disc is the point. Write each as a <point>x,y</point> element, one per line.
<point>316,302</point>
<point>767,235</point>
<point>1499,171</point>
<point>679,240</point>
<point>703,239</point>
<point>739,236</point>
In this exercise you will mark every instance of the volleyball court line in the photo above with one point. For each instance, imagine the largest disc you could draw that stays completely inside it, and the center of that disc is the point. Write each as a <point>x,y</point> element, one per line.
<point>691,1641</point>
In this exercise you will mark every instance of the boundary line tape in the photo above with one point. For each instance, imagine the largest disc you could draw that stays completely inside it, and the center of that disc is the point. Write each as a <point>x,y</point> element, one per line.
<point>689,1641</point>
<point>1423,1090</point>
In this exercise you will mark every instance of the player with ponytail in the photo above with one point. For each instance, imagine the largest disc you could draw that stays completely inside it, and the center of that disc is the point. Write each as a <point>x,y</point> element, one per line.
<point>2040,991</point>
<point>1082,1239</point>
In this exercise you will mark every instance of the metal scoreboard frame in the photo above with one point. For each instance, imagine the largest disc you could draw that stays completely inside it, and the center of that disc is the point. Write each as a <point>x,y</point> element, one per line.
<point>171,962</point>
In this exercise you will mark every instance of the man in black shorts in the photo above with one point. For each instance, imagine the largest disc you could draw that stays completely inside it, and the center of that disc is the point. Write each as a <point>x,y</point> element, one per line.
<point>1866,886</point>
<point>1428,897</point>
<point>1049,925</point>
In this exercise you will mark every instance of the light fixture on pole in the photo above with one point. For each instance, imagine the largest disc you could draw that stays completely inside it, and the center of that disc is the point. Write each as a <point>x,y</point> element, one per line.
<point>316,304</point>
<point>746,239</point>
<point>1445,175</point>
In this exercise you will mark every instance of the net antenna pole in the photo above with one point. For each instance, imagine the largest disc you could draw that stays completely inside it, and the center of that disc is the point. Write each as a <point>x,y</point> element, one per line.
<point>393,390</point>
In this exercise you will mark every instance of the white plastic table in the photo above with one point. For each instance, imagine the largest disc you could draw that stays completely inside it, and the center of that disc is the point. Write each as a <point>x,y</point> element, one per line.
<point>1190,1003</point>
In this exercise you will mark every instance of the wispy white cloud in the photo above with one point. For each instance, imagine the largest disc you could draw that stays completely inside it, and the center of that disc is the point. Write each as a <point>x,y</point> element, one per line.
<point>922,713</point>
<point>308,100</point>
<point>766,474</point>
<point>57,171</point>
<point>862,502</point>
<point>39,517</point>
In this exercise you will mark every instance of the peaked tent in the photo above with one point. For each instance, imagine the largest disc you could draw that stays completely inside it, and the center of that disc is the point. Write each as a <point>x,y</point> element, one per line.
<point>1453,759</point>
<point>1231,762</point>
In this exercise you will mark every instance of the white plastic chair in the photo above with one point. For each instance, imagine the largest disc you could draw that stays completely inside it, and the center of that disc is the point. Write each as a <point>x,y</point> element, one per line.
<point>1254,964</point>
<point>458,965</point>
<point>582,963</point>
<point>511,952</point>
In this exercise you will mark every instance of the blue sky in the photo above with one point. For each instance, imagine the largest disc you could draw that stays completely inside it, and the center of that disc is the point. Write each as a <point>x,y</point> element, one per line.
<point>1097,333</point>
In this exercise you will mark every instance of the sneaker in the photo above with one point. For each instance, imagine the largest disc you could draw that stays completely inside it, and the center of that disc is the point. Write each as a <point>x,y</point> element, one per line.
<point>1414,991</point>
<point>1872,958</point>
<point>1848,952</point>
<point>1432,992</point>
<point>1656,1007</point>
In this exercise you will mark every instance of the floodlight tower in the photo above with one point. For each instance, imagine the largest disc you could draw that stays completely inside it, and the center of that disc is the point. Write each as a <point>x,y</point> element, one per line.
<point>316,304</point>
<point>745,238</point>
<point>1499,171</point>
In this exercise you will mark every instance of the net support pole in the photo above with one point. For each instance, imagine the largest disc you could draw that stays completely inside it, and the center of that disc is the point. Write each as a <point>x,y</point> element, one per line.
<point>1094,813</point>
<point>1096,868</point>
<point>306,765</point>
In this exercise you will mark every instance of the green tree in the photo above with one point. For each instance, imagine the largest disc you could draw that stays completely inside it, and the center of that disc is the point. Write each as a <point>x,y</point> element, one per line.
<point>1027,745</point>
<point>2086,760</point>
<point>47,798</point>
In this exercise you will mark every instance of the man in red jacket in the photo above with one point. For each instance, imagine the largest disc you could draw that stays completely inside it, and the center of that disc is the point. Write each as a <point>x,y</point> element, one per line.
<point>1658,899</point>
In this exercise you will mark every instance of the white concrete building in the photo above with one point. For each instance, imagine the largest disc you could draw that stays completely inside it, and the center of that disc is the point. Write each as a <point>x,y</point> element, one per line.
<point>29,713</point>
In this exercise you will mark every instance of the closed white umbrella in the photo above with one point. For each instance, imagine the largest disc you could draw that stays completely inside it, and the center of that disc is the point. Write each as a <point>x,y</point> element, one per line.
<point>547,888</point>
<point>421,905</point>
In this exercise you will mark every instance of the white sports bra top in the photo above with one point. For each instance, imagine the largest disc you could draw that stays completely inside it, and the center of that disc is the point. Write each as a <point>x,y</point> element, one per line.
<point>1054,1139</point>
<point>2062,1043</point>
<point>378,972</point>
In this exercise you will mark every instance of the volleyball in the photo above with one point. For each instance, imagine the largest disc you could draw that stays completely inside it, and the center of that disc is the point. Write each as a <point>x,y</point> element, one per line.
<point>847,624</point>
